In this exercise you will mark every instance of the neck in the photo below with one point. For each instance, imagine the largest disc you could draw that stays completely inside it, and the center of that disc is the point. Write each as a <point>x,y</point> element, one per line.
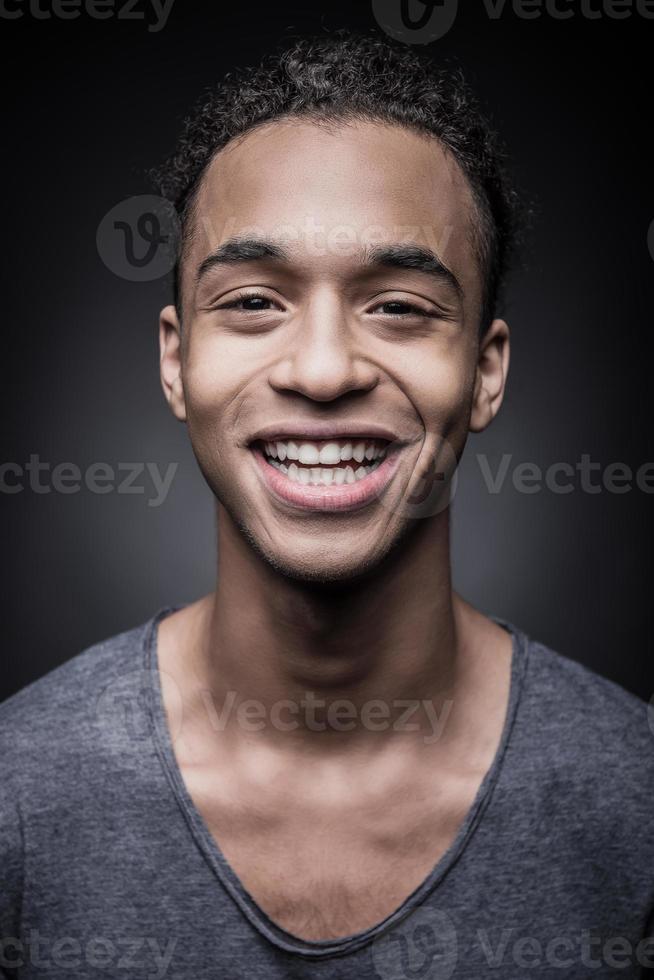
<point>388,637</point>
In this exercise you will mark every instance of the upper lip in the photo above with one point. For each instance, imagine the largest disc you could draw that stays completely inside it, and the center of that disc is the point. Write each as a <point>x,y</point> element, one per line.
<point>323,430</point>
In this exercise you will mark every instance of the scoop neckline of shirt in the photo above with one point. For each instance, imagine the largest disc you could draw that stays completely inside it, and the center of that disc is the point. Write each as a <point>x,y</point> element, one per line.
<point>258,918</point>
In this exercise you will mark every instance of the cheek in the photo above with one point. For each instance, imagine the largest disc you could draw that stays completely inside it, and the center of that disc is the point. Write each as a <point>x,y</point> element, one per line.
<point>214,373</point>
<point>214,381</point>
<point>443,400</point>
<point>440,384</point>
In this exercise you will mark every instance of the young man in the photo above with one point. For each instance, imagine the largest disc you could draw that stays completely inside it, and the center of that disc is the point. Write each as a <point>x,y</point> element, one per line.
<point>332,766</point>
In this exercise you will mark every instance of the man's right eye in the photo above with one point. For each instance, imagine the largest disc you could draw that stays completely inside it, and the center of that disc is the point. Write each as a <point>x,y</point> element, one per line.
<point>249,302</point>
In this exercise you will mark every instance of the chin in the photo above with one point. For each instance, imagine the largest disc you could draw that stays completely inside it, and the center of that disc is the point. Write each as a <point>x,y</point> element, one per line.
<point>315,564</point>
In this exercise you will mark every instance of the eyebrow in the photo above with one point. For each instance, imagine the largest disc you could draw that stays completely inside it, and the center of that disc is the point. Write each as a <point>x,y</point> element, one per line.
<point>396,256</point>
<point>413,257</point>
<point>236,250</point>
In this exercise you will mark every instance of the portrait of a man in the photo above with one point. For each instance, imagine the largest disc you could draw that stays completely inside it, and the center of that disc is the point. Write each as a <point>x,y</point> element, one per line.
<point>331,765</point>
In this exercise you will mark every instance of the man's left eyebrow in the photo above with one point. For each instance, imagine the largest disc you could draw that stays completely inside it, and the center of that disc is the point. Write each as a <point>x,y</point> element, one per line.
<point>236,250</point>
<point>412,257</point>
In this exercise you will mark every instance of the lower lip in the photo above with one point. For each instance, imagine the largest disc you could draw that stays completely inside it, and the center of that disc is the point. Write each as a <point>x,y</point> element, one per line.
<point>344,497</point>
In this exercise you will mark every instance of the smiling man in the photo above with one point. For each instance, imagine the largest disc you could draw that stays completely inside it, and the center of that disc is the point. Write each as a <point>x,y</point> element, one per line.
<point>332,765</point>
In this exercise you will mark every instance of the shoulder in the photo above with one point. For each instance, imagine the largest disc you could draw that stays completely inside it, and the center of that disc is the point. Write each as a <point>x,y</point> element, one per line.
<point>55,721</point>
<point>577,781</point>
<point>597,737</point>
<point>60,739</point>
<point>574,698</point>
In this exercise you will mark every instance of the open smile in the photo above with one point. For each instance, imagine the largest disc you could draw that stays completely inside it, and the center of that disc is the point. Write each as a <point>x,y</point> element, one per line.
<point>326,474</point>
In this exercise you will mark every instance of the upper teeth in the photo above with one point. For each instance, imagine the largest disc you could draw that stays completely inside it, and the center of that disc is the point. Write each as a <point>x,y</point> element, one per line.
<point>311,453</point>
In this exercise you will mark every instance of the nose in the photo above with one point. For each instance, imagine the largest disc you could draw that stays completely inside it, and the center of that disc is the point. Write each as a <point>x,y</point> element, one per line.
<point>324,359</point>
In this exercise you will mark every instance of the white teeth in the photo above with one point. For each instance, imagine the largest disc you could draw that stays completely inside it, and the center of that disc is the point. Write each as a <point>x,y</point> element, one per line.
<point>359,451</point>
<point>318,463</point>
<point>323,475</point>
<point>331,453</point>
<point>309,453</point>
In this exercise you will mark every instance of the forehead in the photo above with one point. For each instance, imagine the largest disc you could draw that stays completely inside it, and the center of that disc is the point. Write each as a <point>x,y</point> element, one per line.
<point>363,181</point>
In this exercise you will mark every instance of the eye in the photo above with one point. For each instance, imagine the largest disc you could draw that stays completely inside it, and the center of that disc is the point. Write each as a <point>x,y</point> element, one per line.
<point>396,307</point>
<point>249,303</point>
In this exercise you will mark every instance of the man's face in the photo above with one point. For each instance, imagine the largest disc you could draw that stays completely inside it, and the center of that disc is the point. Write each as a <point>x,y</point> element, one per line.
<point>336,335</point>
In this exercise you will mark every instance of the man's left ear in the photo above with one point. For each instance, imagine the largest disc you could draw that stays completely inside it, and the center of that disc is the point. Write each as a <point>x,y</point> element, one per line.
<point>490,376</point>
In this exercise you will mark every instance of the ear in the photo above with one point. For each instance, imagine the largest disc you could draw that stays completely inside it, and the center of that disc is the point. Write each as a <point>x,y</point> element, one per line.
<point>170,361</point>
<point>490,377</point>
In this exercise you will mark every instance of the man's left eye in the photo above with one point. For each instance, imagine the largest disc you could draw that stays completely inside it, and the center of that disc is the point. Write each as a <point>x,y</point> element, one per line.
<point>399,308</point>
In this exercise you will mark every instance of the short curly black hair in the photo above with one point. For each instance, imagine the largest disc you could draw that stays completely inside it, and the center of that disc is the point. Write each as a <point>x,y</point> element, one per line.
<point>345,76</point>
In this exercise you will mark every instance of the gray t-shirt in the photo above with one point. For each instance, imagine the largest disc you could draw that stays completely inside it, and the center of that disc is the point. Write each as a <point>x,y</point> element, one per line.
<point>108,870</point>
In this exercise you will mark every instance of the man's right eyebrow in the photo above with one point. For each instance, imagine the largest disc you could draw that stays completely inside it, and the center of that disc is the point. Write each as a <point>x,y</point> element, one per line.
<point>236,250</point>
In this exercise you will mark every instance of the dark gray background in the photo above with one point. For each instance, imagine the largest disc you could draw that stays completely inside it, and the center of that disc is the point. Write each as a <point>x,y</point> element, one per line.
<point>93,103</point>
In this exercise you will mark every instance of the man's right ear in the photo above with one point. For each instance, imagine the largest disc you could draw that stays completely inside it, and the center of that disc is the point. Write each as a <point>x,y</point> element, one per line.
<point>170,361</point>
